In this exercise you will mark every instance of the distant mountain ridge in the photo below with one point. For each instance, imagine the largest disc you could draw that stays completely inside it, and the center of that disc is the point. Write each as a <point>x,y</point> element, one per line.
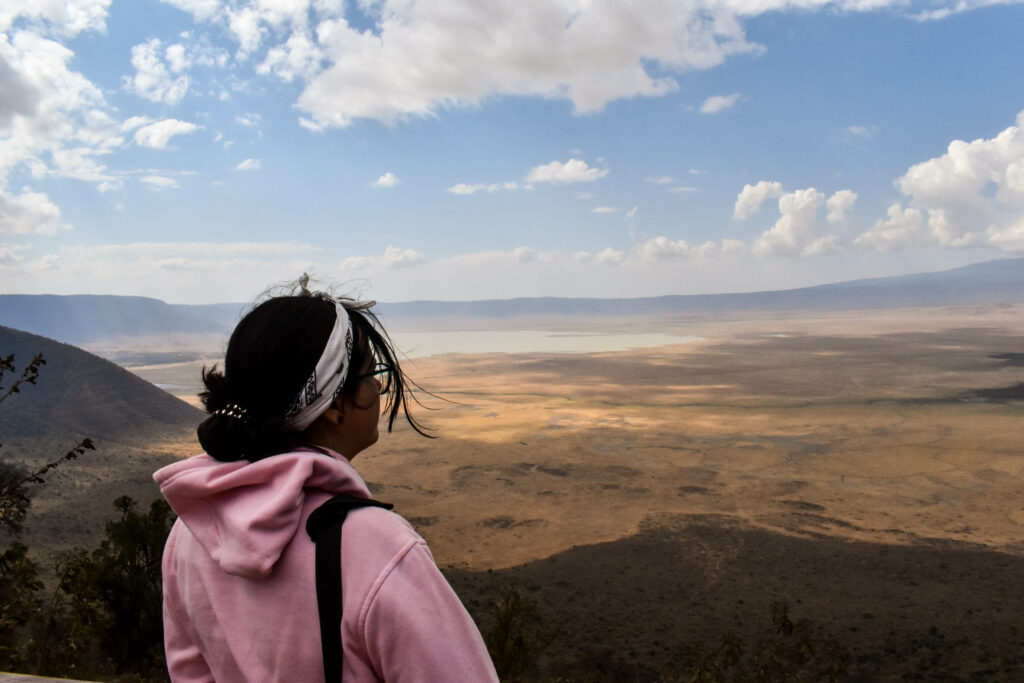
<point>81,395</point>
<point>82,319</point>
<point>996,281</point>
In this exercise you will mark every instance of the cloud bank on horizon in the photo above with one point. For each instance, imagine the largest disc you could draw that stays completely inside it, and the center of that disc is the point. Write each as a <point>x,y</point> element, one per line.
<point>196,150</point>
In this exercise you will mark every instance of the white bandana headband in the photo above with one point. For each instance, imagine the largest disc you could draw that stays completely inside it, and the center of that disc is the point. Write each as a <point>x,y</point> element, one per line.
<point>328,377</point>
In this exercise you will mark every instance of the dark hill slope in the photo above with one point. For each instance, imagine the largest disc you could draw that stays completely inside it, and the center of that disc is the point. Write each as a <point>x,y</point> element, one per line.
<point>687,590</point>
<point>81,395</point>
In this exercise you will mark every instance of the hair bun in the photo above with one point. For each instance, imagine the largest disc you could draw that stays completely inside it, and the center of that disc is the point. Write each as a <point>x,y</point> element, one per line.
<point>224,437</point>
<point>226,434</point>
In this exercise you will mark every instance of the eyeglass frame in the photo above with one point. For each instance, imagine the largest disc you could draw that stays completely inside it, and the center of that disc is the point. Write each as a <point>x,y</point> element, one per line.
<point>378,369</point>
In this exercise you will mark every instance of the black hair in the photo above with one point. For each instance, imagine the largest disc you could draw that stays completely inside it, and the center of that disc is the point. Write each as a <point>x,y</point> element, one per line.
<point>271,353</point>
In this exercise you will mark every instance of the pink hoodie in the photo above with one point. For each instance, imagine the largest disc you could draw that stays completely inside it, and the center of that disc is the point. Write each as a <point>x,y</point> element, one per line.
<point>239,594</point>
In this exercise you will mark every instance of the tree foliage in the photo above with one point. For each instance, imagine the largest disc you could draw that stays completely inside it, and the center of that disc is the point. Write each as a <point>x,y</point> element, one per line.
<point>101,617</point>
<point>515,636</point>
<point>105,612</point>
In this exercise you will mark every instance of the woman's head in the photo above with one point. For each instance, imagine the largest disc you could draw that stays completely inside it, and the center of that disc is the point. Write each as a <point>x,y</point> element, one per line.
<point>271,357</point>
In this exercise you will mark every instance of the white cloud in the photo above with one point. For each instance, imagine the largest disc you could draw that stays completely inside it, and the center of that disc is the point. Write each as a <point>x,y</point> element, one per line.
<point>66,18</point>
<point>193,250</point>
<point>974,192</point>
<point>158,135</point>
<point>393,257</point>
<point>751,197</point>
<point>298,57</point>
<point>248,29</point>
<point>53,121</point>
<point>705,251</point>
<point>654,251</point>
<point>177,58</point>
<point>796,232</point>
<point>731,246</point>
<point>572,171</point>
<point>1010,237</point>
<point>610,257</point>
<point>401,258</point>
<point>197,51</point>
<point>175,272</point>
<point>159,182</point>
<point>249,165</point>
<point>524,254</point>
<point>473,188</point>
<point>863,132</point>
<point>583,52</point>
<point>660,180</point>
<point>133,122</point>
<point>464,188</point>
<point>389,179</point>
<point>603,209</point>
<point>250,24</point>
<point>152,79</point>
<point>20,97</point>
<point>78,163</point>
<point>393,59</point>
<point>839,206</point>
<point>682,189</point>
<point>9,254</point>
<point>250,120</point>
<point>959,7</point>
<point>717,103</point>
<point>200,9</point>
<point>661,248</point>
<point>659,266</point>
<point>176,263</point>
<point>309,125</point>
<point>902,228</point>
<point>29,212</point>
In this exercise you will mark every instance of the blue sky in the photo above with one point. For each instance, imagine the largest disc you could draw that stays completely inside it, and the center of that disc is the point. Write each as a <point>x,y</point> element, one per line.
<point>200,150</point>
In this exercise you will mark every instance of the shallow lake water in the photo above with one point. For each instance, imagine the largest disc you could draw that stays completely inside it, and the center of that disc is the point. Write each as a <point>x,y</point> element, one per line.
<point>421,344</point>
<point>183,378</point>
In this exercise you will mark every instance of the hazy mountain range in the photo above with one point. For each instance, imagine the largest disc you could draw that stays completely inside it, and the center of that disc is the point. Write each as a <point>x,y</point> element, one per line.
<point>989,282</point>
<point>81,319</point>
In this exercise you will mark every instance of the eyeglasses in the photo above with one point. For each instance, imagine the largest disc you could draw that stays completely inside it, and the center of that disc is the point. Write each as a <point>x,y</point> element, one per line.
<point>381,374</point>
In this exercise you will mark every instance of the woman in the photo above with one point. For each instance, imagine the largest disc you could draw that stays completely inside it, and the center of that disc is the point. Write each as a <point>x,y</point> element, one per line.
<point>299,398</point>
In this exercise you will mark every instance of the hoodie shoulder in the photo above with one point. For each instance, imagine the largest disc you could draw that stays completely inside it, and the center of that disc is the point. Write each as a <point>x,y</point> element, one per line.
<point>244,514</point>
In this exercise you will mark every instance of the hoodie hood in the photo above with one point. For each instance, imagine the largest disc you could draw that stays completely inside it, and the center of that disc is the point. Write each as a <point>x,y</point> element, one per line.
<point>244,514</point>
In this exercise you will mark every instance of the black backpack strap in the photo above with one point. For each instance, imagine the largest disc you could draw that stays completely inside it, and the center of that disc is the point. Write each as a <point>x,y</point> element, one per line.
<point>324,528</point>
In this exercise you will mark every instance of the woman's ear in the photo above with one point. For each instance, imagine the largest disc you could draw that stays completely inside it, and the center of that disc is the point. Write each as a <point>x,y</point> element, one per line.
<point>336,411</point>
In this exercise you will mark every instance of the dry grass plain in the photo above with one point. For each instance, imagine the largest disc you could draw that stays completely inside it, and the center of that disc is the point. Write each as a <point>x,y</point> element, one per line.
<point>865,467</point>
<point>882,426</point>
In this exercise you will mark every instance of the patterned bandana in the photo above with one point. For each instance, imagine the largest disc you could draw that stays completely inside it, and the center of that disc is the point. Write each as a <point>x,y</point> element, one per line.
<point>328,377</point>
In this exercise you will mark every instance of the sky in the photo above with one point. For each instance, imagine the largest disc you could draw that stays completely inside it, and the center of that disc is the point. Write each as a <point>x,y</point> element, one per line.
<point>199,151</point>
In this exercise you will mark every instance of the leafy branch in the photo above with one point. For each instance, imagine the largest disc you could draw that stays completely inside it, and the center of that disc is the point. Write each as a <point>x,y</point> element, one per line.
<point>14,500</point>
<point>29,373</point>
